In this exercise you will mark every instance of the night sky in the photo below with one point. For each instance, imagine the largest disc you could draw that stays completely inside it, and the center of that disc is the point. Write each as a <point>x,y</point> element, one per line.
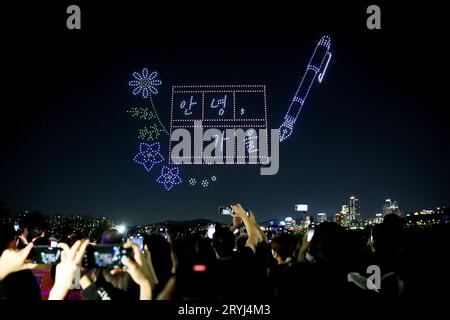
<point>376,127</point>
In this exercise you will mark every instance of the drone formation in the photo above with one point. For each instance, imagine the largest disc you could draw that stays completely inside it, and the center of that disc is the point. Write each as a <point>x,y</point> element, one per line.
<point>216,106</point>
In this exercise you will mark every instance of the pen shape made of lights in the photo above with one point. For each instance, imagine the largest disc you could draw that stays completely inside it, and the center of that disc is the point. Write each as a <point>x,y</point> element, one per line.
<point>316,69</point>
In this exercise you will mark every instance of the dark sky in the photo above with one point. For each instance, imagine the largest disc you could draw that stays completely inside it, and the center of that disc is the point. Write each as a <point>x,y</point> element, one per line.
<point>376,127</point>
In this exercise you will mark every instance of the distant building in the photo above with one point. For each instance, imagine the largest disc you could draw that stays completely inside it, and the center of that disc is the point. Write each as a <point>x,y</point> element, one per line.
<point>354,209</point>
<point>340,218</point>
<point>391,206</point>
<point>378,218</point>
<point>428,217</point>
<point>345,213</point>
<point>344,209</point>
<point>289,222</point>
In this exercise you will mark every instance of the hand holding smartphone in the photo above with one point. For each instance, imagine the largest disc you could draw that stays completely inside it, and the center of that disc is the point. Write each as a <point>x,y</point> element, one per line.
<point>139,241</point>
<point>228,211</point>
<point>45,255</point>
<point>105,256</point>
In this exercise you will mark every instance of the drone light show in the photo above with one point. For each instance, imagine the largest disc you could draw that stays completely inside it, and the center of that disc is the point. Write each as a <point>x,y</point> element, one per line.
<point>181,151</point>
<point>315,70</point>
<point>145,83</point>
<point>216,124</point>
<point>218,108</point>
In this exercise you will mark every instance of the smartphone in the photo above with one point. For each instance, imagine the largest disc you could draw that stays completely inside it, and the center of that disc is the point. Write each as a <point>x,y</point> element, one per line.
<point>45,255</point>
<point>228,211</point>
<point>105,256</point>
<point>211,230</point>
<point>310,233</point>
<point>225,211</point>
<point>139,241</point>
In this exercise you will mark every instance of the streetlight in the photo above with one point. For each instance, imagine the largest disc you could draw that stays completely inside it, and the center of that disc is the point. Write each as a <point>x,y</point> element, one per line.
<point>122,228</point>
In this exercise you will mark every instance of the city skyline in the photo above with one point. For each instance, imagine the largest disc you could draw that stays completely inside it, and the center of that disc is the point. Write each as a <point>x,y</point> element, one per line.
<point>56,225</point>
<point>294,214</point>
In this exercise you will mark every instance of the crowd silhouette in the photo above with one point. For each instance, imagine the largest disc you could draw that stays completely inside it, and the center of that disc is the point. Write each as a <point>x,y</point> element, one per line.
<point>239,263</point>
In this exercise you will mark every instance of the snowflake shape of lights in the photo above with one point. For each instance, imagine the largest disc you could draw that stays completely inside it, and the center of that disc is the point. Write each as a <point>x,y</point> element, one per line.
<point>192,181</point>
<point>145,83</point>
<point>213,178</point>
<point>149,155</point>
<point>169,177</point>
<point>205,183</point>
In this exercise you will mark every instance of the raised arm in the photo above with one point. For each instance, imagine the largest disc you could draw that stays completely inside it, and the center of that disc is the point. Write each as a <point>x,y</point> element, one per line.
<point>261,235</point>
<point>66,270</point>
<point>141,271</point>
<point>12,261</point>
<point>253,231</point>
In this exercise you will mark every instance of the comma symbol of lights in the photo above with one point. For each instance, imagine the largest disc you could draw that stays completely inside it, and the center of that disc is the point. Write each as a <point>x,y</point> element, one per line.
<point>316,68</point>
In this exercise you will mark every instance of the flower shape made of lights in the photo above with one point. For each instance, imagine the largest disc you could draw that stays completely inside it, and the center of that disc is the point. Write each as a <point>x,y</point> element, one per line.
<point>145,83</point>
<point>205,183</point>
<point>149,155</point>
<point>169,177</point>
